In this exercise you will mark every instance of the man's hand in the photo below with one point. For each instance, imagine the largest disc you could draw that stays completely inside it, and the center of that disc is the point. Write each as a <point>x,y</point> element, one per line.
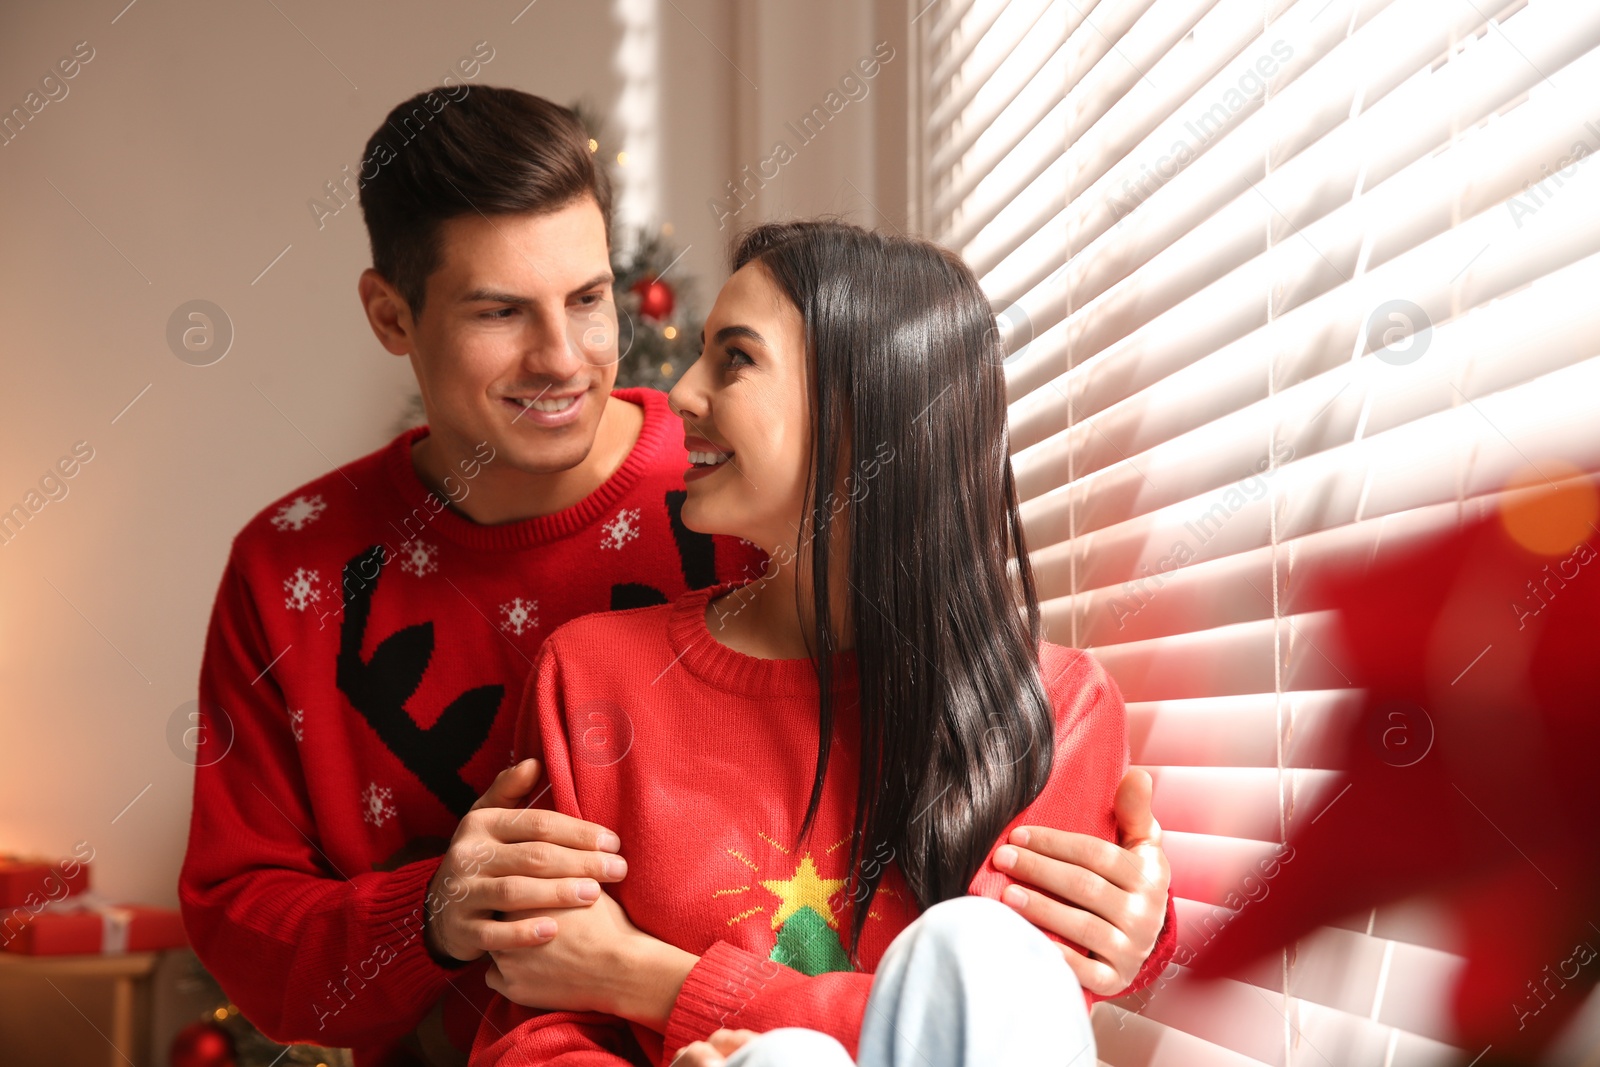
<point>598,961</point>
<point>1120,891</point>
<point>714,1050</point>
<point>506,857</point>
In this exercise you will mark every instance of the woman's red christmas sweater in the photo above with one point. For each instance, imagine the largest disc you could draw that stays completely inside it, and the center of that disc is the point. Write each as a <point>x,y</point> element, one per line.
<point>701,758</point>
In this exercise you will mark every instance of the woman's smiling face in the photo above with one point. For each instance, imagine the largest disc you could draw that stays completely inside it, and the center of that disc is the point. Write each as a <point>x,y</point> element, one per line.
<point>746,415</point>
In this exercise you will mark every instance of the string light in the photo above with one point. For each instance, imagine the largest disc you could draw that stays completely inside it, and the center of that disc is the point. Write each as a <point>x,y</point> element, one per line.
<point>594,146</point>
<point>622,159</point>
<point>670,332</point>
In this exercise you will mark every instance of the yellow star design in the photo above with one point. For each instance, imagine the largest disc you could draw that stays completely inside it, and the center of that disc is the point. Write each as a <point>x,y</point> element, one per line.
<point>805,889</point>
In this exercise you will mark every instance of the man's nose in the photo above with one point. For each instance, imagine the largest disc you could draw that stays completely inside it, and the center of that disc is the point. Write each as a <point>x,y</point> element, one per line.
<point>554,351</point>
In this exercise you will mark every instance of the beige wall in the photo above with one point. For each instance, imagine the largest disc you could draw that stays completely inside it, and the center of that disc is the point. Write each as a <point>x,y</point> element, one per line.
<point>178,165</point>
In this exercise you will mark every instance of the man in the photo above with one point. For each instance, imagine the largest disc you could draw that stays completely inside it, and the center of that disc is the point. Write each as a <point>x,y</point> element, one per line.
<point>374,628</point>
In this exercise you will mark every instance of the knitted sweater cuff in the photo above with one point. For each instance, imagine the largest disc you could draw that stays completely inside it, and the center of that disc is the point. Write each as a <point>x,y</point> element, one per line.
<point>716,991</point>
<point>397,908</point>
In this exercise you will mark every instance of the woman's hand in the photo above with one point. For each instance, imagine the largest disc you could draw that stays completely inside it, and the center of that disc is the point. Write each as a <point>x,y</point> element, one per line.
<point>714,1050</point>
<point>596,961</point>
<point>1121,891</point>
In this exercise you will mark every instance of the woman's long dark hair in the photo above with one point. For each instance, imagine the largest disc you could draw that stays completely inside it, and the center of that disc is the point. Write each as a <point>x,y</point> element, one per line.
<point>956,731</point>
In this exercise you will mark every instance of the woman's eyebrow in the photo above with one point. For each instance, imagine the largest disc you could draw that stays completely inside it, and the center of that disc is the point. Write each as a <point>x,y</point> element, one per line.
<point>727,333</point>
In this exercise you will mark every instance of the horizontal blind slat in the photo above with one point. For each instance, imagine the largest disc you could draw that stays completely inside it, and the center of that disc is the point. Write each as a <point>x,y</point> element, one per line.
<point>1111,608</point>
<point>1240,731</point>
<point>1002,72</point>
<point>1208,868</point>
<point>1086,89</point>
<point>1087,45</point>
<point>1124,1039</point>
<point>1251,1021</point>
<point>1310,210</point>
<point>1118,147</point>
<point>1490,256</point>
<point>1169,453</point>
<point>1197,392</point>
<point>949,15</point>
<point>1040,116</point>
<point>1239,802</point>
<point>1350,972</point>
<point>1468,450</point>
<point>969,36</point>
<point>1228,660</point>
<point>1000,191</point>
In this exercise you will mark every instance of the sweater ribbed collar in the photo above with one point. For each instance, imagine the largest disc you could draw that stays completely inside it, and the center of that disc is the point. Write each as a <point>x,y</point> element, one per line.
<point>697,649</point>
<point>654,438</point>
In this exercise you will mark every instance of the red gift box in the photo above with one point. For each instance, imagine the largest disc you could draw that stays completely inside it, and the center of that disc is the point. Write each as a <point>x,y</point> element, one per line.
<point>30,882</point>
<point>90,927</point>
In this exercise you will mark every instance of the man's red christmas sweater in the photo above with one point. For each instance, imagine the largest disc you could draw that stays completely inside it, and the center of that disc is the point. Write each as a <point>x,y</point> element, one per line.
<point>366,653</point>
<point>701,758</point>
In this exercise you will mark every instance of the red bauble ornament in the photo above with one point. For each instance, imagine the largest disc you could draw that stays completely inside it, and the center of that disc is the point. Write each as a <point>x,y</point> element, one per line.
<point>203,1044</point>
<point>656,299</point>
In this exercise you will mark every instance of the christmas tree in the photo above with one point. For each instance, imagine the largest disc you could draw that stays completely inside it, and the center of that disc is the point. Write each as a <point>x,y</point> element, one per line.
<point>807,925</point>
<point>222,1037</point>
<point>657,336</point>
<point>658,333</point>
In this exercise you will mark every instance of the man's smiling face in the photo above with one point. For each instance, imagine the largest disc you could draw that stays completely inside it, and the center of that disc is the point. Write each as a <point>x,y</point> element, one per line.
<point>517,341</point>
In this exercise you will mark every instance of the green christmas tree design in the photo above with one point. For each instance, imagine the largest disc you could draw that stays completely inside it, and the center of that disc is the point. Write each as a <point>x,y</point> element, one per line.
<point>808,938</point>
<point>808,944</point>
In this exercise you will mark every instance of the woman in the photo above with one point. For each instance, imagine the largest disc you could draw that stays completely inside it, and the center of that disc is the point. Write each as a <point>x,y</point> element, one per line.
<point>794,785</point>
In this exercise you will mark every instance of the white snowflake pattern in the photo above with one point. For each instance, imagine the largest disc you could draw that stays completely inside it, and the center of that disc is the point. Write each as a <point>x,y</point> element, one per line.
<point>375,806</point>
<point>297,724</point>
<point>419,558</point>
<point>519,615</point>
<point>301,589</point>
<point>299,512</point>
<point>624,527</point>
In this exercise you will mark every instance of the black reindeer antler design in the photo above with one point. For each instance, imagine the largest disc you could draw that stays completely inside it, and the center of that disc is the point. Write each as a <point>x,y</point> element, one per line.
<point>379,687</point>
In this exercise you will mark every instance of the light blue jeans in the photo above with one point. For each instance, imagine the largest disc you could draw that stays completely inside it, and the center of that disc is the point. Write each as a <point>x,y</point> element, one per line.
<point>969,983</point>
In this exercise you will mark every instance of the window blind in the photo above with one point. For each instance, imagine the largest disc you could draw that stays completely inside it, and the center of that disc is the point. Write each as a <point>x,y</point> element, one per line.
<point>1283,282</point>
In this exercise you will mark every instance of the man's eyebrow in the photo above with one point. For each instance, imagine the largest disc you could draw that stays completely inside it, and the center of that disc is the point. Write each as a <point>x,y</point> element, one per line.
<point>496,296</point>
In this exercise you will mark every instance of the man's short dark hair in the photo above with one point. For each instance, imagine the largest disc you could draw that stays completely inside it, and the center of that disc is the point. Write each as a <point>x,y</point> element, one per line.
<point>466,151</point>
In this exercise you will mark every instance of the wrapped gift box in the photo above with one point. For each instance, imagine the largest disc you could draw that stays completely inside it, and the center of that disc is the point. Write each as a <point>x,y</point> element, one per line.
<point>27,881</point>
<point>80,927</point>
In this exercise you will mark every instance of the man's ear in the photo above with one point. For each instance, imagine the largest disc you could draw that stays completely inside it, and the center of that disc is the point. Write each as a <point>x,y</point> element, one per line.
<point>388,313</point>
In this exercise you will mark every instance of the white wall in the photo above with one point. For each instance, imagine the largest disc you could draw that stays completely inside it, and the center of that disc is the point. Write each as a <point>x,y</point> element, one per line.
<point>188,147</point>
<point>734,76</point>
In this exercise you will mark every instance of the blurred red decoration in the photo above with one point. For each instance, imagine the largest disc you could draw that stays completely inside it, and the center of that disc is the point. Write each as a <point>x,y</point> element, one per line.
<point>203,1044</point>
<point>656,299</point>
<point>1471,777</point>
